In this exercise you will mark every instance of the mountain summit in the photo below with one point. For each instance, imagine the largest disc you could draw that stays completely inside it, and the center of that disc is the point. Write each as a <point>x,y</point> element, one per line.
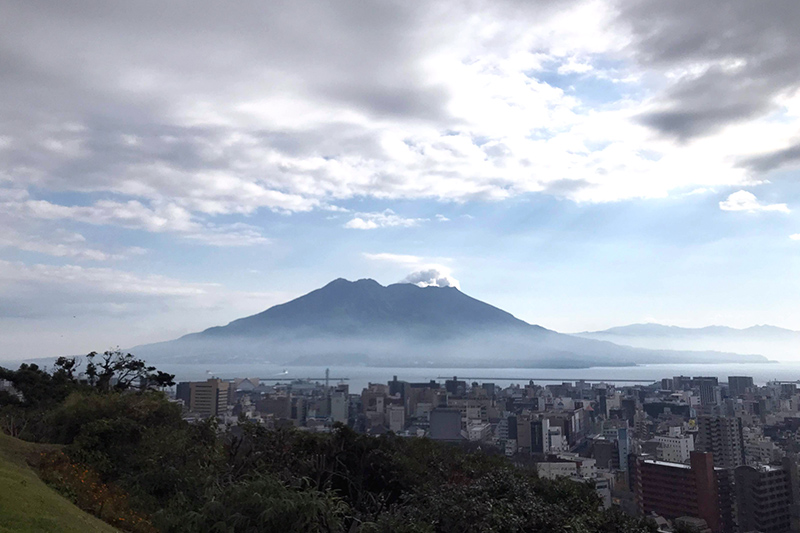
<point>366,307</point>
<point>364,322</point>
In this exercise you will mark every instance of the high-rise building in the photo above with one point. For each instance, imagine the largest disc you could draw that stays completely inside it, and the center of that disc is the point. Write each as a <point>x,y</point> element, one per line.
<point>673,490</point>
<point>623,447</point>
<point>539,436</point>
<point>209,398</point>
<point>723,437</point>
<point>738,385</point>
<point>709,390</point>
<point>682,382</point>
<point>340,407</point>
<point>764,498</point>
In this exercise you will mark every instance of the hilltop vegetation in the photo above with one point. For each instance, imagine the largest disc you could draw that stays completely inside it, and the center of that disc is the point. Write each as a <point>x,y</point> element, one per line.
<point>130,458</point>
<point>27,504</point>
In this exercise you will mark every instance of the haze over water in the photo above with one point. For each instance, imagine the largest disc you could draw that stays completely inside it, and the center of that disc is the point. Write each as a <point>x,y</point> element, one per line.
<point>360,376</point>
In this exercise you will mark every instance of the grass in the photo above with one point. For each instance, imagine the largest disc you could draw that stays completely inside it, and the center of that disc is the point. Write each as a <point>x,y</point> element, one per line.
<point>27,504</point>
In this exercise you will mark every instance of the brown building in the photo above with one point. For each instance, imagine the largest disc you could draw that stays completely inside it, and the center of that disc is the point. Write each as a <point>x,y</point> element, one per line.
<point>209,398</point>
<point>673,490</point>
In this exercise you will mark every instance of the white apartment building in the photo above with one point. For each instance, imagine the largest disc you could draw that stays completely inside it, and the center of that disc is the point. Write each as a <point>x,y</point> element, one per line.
<point>675,448</point>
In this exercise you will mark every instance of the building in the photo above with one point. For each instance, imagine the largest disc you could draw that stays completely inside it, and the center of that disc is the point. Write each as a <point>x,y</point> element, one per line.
<point>723,437</point>
<point>397,418</point>
<point>674,490</point>
<point>739,385</point>
<point>340,407</point>
<point>445,424</point>
<point>623,447</point>
<point>709,390</point>
<point>764,498</point>
<point>183,392</point>
<point>209,398</point>
<point>675,448</point>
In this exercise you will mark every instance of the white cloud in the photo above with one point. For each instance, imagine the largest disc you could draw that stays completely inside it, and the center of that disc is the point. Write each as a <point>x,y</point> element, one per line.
<point>136,215</point>
<point>62,244</point>
<point>442,218</point>
<point>747,201</point>
<point>795,237</point>
<point>398,259</point>
<point>425,271</point>
<point>384,219</point>
<point>453,106</point>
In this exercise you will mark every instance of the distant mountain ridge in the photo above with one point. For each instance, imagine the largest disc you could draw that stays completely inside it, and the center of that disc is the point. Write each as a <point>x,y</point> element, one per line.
<point>364,322</point>
<point>771,341</point>
<point>650,328</point>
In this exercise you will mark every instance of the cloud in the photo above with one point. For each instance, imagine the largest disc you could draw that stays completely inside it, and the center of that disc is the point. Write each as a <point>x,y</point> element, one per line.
<point>425,271</point>
<point>135,215</point>
<point>795,237</point>
<point>230,111</point>
<point>398,259</point>
<point>442,218</point>
<point>723,64</point>
<point>431,278</point>
<point>48,310</point>
<point>384,219</point>
<point>772,160</point>
<point>62,244</point>
<point>747,201</point>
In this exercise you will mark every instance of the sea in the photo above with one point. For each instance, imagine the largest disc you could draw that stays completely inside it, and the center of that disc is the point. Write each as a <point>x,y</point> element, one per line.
<point>359,377</point>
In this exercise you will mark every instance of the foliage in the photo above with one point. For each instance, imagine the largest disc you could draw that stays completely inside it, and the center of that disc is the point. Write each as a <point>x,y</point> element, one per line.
<point>27,505</point>
<point>116,370</point>
<point>84,487</point>
<point>134,452</point>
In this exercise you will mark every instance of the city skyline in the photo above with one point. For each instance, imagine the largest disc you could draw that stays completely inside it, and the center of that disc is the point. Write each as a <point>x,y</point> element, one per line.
<point>581,165</point>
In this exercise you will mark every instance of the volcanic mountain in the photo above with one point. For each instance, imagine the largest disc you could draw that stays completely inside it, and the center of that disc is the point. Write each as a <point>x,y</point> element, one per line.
<point>363,322</point>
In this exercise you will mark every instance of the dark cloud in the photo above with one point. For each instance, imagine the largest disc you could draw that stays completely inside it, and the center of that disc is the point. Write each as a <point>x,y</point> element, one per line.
<point>744,54</point>
<point>780,158</point>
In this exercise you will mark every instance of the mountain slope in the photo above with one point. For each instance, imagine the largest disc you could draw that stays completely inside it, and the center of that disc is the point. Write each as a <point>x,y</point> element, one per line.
<point>768,340</point>
<point>28,505</point>
<point>363,322</point>
<point>365,306</point>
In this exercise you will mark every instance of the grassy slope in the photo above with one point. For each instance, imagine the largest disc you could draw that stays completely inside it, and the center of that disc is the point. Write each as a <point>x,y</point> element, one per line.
<point>27,504</point>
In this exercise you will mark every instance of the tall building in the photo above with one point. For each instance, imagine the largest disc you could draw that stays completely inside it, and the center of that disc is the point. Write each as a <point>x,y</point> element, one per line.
<point>682,382</point>
<point>738,385</point>
<point>623,447</point>
<point>209,398</point>
<point>723,437</point>
<point>540,430</point>
<point>764,499</point>
<point>340,407</point>
<point>709,390</point>
<point>673,490</point>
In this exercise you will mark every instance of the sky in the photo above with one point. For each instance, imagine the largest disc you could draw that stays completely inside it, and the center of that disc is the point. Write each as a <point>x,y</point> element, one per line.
<point>170,166</point>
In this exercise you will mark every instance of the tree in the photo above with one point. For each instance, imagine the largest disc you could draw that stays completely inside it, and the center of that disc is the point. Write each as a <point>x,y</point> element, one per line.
<point>67,366</point>
<point>118,370</point>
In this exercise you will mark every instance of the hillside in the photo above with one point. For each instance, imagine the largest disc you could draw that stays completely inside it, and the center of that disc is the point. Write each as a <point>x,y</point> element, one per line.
<point>28,505</point>
<point>363,322</point>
